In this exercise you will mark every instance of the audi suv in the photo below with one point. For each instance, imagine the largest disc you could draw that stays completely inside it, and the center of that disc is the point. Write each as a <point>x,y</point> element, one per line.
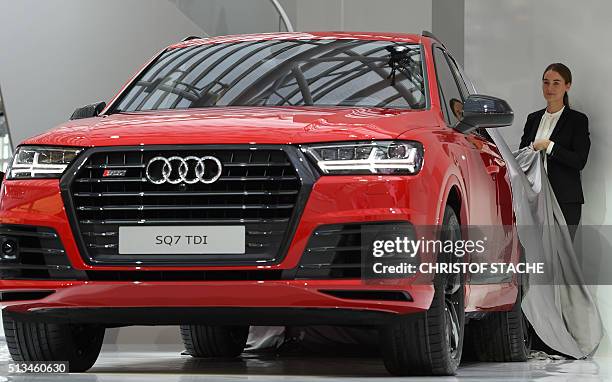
<point>239,181</point>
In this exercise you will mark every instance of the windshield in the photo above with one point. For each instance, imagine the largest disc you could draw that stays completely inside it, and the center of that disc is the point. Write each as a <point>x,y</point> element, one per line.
<point>281,73</point>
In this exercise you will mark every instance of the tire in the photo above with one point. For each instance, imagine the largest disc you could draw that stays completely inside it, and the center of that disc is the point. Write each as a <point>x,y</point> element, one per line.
<point>214,341</point>
<point>501,336</point>
<point>430,343</point>
<point>79,345</point>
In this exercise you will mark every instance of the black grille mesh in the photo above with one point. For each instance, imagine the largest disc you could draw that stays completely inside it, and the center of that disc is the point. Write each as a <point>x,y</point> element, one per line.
<point>40,254</point>
<point>336,251</point>
<point>333,251</point>
<point>258,188</point>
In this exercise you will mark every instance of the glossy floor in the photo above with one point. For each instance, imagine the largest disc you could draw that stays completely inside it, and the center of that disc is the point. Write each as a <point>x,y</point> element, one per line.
<point>170,366</point>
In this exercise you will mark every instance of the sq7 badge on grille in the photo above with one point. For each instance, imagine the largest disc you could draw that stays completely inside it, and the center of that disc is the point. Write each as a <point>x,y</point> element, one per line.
<point>182,240</point>
<point>108,173</point>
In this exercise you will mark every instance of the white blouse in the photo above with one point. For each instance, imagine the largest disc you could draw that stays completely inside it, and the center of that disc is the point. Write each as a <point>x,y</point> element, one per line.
<point>547,125</point>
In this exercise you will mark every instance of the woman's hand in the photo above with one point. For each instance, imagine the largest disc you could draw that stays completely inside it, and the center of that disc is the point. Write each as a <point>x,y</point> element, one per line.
<point>541,144</point>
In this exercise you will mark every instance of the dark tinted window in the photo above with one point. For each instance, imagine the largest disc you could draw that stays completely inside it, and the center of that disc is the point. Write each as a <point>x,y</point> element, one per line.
<point>280,73</point>
<point>450,95</point>
<point>458,75</point>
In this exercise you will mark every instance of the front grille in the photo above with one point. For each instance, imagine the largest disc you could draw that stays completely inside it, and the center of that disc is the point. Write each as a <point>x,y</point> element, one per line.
<point>259,188</point>
<point>40,254</point>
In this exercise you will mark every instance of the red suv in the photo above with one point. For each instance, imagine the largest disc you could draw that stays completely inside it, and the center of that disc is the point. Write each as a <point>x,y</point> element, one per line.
<point>233,181</point>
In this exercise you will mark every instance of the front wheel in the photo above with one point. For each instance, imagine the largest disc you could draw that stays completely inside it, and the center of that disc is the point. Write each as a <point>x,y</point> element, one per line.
<point>77,344</point>
<point>431,343</point>
<point>214,341</point>
<point>502,336</point>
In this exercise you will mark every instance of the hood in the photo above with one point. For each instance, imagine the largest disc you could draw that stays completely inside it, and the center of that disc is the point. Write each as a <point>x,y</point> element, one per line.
<point>237,125</point>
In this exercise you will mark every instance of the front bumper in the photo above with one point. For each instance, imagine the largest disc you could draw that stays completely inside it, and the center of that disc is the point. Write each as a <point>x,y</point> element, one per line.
<point>333,200</point>
<point>280,298</point>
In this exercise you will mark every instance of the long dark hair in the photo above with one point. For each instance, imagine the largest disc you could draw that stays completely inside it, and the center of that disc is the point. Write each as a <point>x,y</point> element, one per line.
<point>565,73</point>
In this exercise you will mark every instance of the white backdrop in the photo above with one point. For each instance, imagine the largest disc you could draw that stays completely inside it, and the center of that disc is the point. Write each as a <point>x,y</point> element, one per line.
<point>61,54</point>
<point>508,44</point>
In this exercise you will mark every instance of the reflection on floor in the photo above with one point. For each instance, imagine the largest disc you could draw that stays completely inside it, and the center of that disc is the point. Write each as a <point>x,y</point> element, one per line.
<point>171,366</point>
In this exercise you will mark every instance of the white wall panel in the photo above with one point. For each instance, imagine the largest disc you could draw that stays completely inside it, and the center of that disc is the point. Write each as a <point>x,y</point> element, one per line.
<point>221,17</point>
<point>407,16</point>
<point>60,54</point>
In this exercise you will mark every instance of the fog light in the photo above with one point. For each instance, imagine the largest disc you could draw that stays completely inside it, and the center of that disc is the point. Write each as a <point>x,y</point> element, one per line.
<point>9,249</point>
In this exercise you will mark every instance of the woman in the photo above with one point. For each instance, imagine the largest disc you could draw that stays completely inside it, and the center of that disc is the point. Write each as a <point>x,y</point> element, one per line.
<point>563,135</point>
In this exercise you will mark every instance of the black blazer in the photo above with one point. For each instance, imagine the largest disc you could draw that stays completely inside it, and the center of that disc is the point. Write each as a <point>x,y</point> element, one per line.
<point>569,154</point>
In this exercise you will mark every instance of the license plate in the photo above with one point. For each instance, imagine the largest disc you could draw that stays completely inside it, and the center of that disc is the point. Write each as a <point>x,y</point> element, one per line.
<point>188,240</point>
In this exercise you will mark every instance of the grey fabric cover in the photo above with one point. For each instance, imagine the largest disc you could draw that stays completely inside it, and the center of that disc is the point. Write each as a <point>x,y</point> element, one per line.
<point>558,304</point>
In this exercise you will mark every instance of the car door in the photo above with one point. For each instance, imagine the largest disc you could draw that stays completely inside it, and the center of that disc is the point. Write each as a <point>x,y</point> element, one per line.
<point>472,155</point>
<point>501,231</point>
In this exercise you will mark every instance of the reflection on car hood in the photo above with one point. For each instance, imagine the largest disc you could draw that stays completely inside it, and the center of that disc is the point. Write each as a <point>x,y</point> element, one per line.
<point>237,125</point>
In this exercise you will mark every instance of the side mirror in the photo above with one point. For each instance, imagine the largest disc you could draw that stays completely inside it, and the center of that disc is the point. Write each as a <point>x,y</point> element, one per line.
<point>484,111</point>
<point>88,111</point>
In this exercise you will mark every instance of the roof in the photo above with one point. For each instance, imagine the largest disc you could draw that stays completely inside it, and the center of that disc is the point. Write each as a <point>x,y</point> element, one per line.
<point>378,36</point>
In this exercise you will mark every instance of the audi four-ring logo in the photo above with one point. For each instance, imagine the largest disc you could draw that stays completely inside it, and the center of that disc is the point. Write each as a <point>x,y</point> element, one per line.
<point>190,170</point>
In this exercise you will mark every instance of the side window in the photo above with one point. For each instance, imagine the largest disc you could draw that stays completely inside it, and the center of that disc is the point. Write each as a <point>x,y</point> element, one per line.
<point>467,88</point>
<point>458,75</point>
<point>470,85</point>
<point>450,95</point>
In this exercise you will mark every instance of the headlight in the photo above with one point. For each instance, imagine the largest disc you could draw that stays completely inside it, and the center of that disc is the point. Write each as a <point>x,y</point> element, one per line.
<point>41,162</point>
<point>372,157</point>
